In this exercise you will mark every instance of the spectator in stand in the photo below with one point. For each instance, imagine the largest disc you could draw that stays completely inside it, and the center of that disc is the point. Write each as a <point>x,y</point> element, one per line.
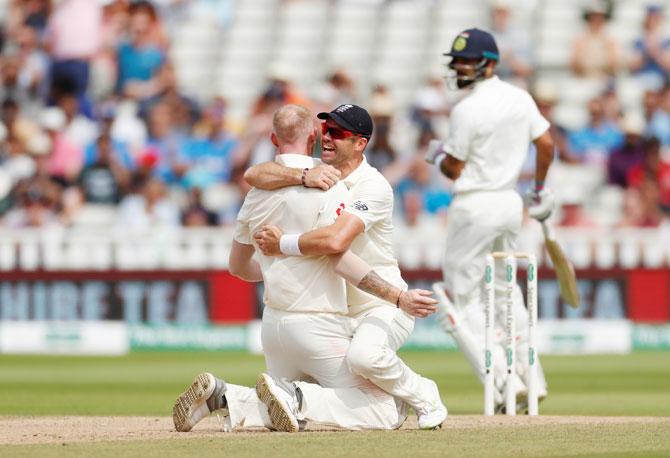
<point>255,145</point>
<point>167,143</point>
<point>651,205</point>
<point>655,169</point>
<point>185,112</point>
<point>65,160</point>
<point>79,129</point>
<point>148,7</point>
<point>33,64</point>
<point>280,90</point>
<point>514,45</point>
<point>104,72</point>
<point>196,214</point>
<point>380,154</point>
<point>15,157</point>
<point>9,79</point>
<point>33,13</point>
<point>106,179</point>
<point>37,198</point>
<point>630,154</point>
<point>651,53</point>
<point>658,118</point>
<point>150,208</point>
<point>34,209</point>
<point>546,97</point>
<point>19,127</point>
<point>612,110</point>
<point>119,148</point>
<point>641,207</point>
<point>429,109</point>
<point>595,53</point>
<point>422,178</point>
<point>209,152</point>
<point>142,56</point>
<point>73,38</point>
<point>593,143</point>
<point>338,89</point>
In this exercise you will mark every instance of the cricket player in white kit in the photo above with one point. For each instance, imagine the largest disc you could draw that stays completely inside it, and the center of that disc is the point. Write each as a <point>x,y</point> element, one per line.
<point>491,129</point>
<point>306,331</point>
<point>365,226</point>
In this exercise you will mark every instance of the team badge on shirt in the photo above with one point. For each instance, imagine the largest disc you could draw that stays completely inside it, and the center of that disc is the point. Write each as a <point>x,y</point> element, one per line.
<point>358,205</point>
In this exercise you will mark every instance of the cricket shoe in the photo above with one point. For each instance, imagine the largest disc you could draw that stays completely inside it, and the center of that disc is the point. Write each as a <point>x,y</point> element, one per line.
<point>206,394</point>
<point>432,416</point>
<point>283,400</point>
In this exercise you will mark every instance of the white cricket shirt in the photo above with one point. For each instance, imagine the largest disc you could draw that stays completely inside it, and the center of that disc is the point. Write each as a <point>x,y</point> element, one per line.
<point>371,198</point>
<point>491,129</point>
<point>295,283</point>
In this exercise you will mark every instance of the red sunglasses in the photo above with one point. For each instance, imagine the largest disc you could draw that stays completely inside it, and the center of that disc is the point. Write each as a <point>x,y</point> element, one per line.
<point>337,133</point>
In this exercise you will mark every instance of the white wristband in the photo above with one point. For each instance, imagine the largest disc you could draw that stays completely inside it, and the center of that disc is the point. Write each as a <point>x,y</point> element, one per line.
<point>439,158</point>
<point>288,244</point>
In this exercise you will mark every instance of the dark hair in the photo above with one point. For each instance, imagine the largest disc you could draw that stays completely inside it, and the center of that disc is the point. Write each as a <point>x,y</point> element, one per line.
<point>143,6</point>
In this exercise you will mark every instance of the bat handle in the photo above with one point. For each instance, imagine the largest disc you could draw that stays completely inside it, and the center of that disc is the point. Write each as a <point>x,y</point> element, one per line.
<point>548,231</point>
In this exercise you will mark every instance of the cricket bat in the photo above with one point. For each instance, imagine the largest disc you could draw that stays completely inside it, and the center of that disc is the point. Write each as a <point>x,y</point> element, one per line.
<point>565,272</point>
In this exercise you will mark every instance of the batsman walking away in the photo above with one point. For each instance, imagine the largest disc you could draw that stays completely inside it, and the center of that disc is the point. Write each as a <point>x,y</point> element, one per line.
<point>491,129</point>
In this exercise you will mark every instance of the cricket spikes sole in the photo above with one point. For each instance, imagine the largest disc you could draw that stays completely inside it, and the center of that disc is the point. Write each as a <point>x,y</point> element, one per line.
<point>191,406</point>
<point>281,414</point>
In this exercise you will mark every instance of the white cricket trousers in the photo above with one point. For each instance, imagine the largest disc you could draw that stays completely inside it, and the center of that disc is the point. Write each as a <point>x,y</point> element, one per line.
<point>479,223</point>
<point>300,346</point>
<point>380,332</point>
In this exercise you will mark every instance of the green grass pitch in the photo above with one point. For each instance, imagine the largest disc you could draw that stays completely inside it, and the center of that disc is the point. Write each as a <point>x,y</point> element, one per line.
<point>145,384</point>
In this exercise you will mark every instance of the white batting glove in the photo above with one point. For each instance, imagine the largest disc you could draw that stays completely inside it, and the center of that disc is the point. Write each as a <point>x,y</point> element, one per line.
<point>435,152</point>
<point>540,204</point>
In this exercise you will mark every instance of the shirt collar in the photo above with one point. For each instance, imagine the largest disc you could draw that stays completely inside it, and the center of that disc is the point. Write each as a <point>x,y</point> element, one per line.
<point>299,161</point>
<point>486,82</point>
<point>354,176</point>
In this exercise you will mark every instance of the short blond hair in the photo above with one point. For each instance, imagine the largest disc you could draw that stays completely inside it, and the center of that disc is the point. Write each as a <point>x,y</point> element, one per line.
<point>292,123</point>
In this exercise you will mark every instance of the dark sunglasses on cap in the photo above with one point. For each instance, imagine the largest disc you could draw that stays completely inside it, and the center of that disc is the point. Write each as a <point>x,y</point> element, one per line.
<point>338,134</point>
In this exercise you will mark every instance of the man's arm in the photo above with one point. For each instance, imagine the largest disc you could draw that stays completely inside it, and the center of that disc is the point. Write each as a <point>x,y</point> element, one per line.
<point>545,155</point>
<point>333,239</point>
<point>270,176</point>
<point>241,263</point>
<point>356,271</point>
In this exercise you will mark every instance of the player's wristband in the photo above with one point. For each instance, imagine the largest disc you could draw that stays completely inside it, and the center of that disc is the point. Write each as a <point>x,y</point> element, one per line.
<point>288,244</point>
<point>539,185</point>
<point>303,177</point>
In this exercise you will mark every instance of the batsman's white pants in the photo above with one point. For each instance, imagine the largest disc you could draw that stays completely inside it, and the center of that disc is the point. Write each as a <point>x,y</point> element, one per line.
<point>381,331</point>
<point>479,223</point>
<point>313,346</point>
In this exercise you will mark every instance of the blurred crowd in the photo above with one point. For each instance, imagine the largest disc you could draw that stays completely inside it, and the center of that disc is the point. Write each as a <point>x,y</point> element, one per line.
<point>93,117</point>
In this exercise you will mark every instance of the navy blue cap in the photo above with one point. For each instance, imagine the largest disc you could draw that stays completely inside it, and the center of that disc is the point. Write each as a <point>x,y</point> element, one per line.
<point>351,117</point>
<point>474,44</point>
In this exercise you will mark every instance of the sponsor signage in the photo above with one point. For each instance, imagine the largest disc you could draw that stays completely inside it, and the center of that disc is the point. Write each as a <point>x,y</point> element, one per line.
<point>154,298</point>
<point>64,338</point>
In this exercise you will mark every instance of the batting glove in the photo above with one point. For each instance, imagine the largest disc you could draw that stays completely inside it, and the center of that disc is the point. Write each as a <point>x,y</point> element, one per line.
<point>540,203</point>
<point>435,152</point>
